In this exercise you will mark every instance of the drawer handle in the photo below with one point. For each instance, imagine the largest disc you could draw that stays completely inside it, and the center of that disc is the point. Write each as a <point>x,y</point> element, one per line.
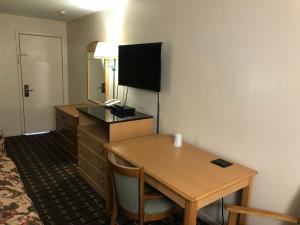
<point>63,117</point>
<point>102,167</point>
<point>102,183</point>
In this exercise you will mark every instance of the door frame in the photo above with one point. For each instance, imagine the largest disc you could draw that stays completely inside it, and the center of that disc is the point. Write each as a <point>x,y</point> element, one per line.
<point>19,66</point>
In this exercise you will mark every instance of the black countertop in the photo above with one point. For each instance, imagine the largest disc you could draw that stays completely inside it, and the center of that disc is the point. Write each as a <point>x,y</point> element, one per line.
<point>102,113</point>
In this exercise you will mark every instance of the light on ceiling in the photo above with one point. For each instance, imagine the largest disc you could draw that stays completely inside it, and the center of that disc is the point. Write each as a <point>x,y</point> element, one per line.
<point>96,5</point>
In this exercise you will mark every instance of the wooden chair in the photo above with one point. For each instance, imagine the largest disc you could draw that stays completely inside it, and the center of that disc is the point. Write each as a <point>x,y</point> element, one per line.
<point>133,198</point>
<point>234,211</point>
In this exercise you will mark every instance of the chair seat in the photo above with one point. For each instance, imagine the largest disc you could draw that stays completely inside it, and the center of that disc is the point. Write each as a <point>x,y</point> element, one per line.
<point>156,206</point>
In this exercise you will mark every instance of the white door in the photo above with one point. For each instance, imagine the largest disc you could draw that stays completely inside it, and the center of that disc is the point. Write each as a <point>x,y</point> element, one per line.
<point>42,80</point>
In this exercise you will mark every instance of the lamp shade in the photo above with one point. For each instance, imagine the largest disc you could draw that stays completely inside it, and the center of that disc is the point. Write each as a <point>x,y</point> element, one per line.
<point>106,50</point>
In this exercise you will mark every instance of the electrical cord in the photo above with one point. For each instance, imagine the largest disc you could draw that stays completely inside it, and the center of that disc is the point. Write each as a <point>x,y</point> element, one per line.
<point>222,211</point>
<point>126,96</point>
<point>123,94</point>
<point>117,92</point>
<point>158,113</point>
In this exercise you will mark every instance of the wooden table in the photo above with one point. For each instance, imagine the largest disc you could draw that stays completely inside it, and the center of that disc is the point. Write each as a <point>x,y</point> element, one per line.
<point>185,174</point>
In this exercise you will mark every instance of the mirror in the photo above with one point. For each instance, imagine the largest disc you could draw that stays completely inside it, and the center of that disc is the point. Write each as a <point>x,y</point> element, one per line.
<point>97,76</point>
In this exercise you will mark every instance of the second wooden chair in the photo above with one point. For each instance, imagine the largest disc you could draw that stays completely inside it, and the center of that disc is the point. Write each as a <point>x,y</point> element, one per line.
<point>234,211</point>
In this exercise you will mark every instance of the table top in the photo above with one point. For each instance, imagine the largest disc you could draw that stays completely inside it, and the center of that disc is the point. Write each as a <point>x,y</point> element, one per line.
<point>186,170</point>
<point>102,113</point>
<point>70,109</point>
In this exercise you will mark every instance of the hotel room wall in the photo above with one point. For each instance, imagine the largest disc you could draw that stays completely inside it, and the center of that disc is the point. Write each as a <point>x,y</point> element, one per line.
<point>10,105</point>
<point>81,32</point>
<point>231,83</point>
<point>110,25</point>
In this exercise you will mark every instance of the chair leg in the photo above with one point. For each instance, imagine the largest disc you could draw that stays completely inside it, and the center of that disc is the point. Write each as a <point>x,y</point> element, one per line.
<point>115,203</point>
<point>232,218</point>
<point>115,211</point>
<point>141,222</point>
<point>114,215</point>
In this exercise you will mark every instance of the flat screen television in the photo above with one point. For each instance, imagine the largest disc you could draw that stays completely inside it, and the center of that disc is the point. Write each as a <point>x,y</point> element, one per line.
<point>140,66</point>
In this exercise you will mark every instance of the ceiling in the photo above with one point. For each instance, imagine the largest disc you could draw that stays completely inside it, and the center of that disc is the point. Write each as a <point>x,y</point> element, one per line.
<point>49,8</point>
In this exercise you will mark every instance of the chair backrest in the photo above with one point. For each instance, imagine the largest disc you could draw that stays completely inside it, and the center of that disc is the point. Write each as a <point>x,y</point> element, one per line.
<point>2,151</point>
<point>128,185</point>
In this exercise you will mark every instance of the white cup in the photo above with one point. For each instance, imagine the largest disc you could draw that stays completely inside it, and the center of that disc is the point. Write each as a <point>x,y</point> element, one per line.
<point>178,140</point>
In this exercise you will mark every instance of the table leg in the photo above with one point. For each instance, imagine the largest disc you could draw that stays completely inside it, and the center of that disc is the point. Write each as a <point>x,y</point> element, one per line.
<point>190,213</point>
<point>246,198</point>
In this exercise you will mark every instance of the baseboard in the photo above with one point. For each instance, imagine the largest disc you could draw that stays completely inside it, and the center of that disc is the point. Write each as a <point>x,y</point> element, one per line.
<point>12,133</point>
<point>207,219</point>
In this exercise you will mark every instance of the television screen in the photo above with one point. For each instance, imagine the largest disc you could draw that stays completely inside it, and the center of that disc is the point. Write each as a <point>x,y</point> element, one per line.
<point>140,66</point>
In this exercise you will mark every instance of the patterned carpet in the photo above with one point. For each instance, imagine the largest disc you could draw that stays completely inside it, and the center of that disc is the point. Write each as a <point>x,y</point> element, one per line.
<point>53,183</point>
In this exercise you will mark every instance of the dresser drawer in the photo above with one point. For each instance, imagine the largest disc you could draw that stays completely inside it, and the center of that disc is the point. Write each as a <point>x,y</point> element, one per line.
<point>98,178</point>
<point>98,188</point>
<point>91,143</point>
<point>66,119</point>
<point>93,158</point>
<point>68,146</point>
<point>67,131</point>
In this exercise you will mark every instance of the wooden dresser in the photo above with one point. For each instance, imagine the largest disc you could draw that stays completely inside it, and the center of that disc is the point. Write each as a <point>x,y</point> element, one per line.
<point>97,126</point>
<point>66,128</point>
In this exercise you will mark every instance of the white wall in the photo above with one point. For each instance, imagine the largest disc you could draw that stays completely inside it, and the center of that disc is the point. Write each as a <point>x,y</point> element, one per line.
<point>80,33</point>
<point>10,117</point>
<point>231,82</point>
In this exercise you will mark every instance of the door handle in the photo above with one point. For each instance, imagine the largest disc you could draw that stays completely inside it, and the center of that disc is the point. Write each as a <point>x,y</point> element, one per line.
<point>27,90</point>
<point>102,87</point>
